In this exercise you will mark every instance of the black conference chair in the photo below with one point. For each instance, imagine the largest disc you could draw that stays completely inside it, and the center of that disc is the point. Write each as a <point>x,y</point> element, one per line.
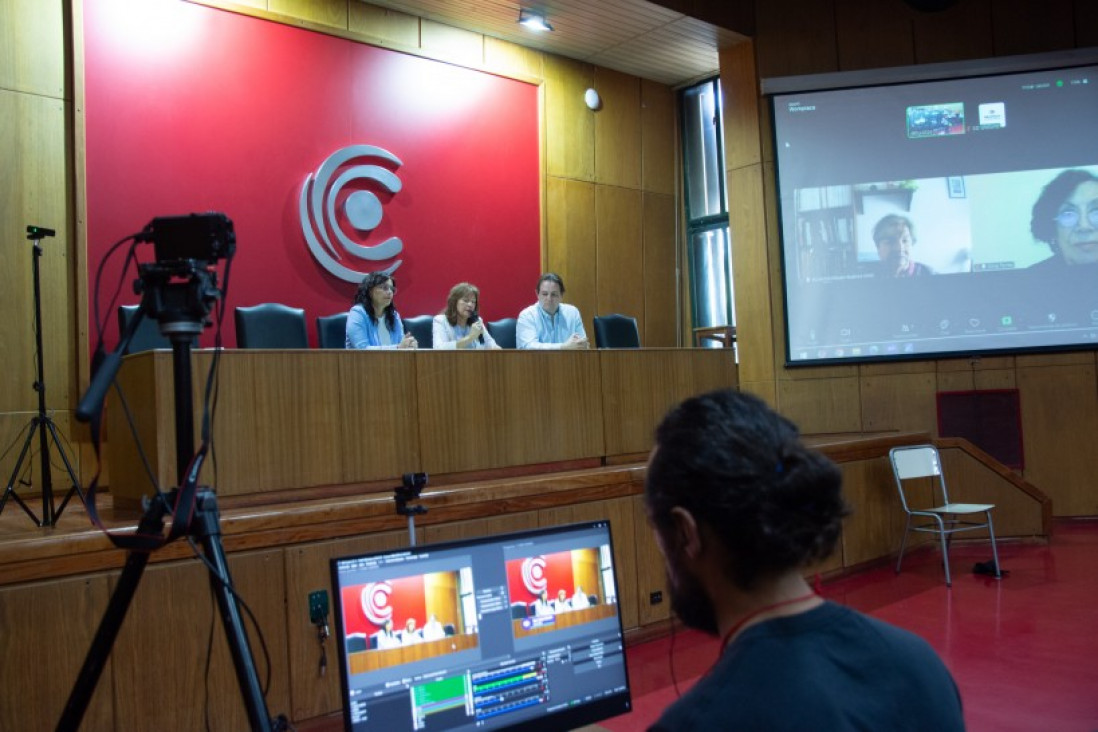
<point>502,332</point>
<point>331,331</point>
<point>271,325</point>
<point>148,335</point>
<point>616,331</point>
<point>422,328</point>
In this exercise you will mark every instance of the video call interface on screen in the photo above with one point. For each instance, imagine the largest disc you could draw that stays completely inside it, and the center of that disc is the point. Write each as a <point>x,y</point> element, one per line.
<point>486,634</point>
<point>906,215</point>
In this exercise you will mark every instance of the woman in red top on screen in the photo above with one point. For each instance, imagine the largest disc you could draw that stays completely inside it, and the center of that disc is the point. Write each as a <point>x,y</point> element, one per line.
<point>894,236</point>
<point>1065,217</point>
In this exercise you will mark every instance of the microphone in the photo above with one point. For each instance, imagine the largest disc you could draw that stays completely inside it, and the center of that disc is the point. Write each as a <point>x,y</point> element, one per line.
<point>474,318</point>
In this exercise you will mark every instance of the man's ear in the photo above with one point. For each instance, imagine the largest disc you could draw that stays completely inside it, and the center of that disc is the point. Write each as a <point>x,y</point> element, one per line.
<point>686,535</point>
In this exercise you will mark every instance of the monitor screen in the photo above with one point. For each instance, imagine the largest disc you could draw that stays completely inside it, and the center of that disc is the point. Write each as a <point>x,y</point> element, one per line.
<point>485,634</point>
<point>941,216</point>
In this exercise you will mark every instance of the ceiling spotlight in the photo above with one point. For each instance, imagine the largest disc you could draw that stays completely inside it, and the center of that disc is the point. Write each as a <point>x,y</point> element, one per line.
<point>534,21</point>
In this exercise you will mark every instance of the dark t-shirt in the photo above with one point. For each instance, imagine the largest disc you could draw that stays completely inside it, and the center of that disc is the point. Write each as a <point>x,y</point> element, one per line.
<point>830,668</point>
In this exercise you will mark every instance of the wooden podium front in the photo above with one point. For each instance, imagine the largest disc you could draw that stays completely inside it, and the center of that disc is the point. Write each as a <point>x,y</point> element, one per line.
<point>289,420</point>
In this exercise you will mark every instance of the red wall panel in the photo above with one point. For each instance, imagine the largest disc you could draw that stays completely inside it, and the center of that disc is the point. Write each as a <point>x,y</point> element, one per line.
<point>192,109</point>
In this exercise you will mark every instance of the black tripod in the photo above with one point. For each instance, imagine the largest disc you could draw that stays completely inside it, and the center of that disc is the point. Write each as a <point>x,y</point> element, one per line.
<point>42,423</point>
<point>181,309</point>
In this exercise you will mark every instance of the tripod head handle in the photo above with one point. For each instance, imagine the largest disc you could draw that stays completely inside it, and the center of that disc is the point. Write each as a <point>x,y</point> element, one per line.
<point>34,233</point>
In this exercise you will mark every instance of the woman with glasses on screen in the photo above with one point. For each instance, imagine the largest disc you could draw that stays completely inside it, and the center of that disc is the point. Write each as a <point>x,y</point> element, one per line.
<point>1065,217</point>
<point>373,321</point>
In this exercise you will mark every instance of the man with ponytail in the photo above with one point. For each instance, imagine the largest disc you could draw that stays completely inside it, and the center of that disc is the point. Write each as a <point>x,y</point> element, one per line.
<point>741,508</point>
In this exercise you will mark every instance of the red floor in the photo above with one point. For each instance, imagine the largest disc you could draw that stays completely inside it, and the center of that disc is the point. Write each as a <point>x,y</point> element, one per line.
<point>1024,650</point>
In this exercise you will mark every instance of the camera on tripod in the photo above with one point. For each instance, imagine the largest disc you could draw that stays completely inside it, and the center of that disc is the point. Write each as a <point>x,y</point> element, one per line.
<point>180,287</point>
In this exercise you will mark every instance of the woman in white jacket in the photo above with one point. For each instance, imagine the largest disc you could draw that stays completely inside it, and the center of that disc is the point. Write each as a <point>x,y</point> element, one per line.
<point>460,325</point>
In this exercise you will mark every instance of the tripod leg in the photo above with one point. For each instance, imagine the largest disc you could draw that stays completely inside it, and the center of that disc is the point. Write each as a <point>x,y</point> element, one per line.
<point>68,467</point>
<point>151,524</point>
<point>10,490</point>
<point>209,531</point>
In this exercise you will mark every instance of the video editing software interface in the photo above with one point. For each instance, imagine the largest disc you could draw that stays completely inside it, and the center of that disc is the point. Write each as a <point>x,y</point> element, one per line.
<point>906,216</point>
<point>486,634</point>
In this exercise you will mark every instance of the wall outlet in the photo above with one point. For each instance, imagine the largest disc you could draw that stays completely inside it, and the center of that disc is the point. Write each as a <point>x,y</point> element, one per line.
<point>655,598</point>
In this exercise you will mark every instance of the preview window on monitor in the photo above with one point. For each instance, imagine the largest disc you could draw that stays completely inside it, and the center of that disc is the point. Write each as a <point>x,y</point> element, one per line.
<point>486,634</point>
<point>951,216</point>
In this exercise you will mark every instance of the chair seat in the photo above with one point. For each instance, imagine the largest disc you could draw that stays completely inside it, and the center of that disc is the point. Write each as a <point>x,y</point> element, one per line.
<point>963,508</point>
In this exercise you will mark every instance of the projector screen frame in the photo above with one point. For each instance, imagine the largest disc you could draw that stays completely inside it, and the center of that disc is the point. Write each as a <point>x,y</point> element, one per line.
<point>779,90</point>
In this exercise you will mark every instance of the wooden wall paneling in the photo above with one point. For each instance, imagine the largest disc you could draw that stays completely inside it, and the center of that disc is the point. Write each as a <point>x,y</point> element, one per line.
<point>872,34</point>
<point>492,526</point>
<point>306,565</point>
<point>956,381</point>
<point>659,138</point>
<point>619,217</point>
<point>640,386</point>
<point>32,34</point>
<point>33,157</point>
<point>902,402</point>
<point>618,129</point>
<point>455,45</point>
<point>876,525</point>
<point>660,245</point>
<point>295,399</point>
<point>1021,27</point>
<point>651,572</point>
<point>46,629</point>
<point>570,243</point>
<point>1059,421</point>
<point>325,12</point>
<point>751,274</point>
<point>145,381</point>
<point>380,433</point>
<point>244,460</point>
<point>741,105</point>
<point>970,481</point>
<point>1079,358</point>
<point>512,59</point>
<point>388,26</point>
<point>164,639</point>
<point>822,405</point>
<point>961,32</point>
<point>795,37</point>
<point>569,124</point>
<point>619,511</point>
<point>996,379</point>
<point>484,410</point>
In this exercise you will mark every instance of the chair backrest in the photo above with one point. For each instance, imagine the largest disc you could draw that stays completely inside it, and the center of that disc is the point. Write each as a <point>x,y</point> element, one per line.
<point>422,327</point>
<point>917,461</point>
<point>616,331</point>
<point>356,642</point>
<point>148,335</point>
<point>331,331</point>
<point>502,332</point>
<point>271,325</point>
<point>593,599</point>
<point>518,609</point>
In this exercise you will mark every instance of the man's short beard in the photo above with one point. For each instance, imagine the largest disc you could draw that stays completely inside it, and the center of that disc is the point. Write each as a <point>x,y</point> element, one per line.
<point>689,600</point>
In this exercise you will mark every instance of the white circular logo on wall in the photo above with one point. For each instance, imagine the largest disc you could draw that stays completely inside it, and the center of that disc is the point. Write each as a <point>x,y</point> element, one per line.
<point>375,602</point>
<point>329,244</point>
<point>533,574</point>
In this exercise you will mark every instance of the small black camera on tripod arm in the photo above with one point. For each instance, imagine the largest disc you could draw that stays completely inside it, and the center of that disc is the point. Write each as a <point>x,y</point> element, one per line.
<point>411,485</point>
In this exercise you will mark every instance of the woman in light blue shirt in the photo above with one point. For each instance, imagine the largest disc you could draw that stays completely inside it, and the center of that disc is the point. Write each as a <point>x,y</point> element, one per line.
<point>460,325</point>
<point>373,321</point>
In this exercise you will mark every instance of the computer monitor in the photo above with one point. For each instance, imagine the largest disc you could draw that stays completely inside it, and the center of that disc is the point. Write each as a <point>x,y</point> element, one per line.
<point>483,634</point>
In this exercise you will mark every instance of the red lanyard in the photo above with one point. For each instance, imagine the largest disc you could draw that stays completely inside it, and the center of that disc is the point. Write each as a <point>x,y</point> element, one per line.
<point>755,613</point>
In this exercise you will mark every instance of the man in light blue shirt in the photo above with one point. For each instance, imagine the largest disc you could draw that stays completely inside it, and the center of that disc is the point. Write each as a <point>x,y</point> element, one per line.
<point>549,323</point>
